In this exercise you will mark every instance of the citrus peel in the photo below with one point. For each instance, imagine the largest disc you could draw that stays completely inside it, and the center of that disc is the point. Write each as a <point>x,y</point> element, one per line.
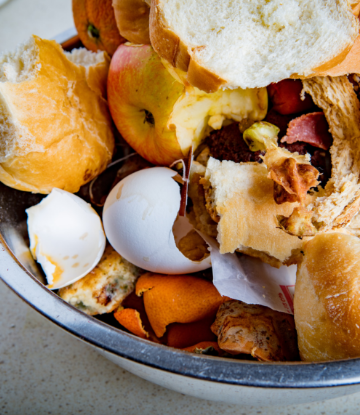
<point>203,346</point>
<point>96,25</point>
<point>131,320</point>
<point>137,303</point>
<point>183,335</point>
<point>176,299</point>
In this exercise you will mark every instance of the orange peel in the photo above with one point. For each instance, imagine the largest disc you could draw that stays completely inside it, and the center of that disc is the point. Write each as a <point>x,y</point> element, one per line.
<point>183,335</point>
<point>131,320</point>
<point>137,303</point>
<point>176,299</point>
<point>203,346</point>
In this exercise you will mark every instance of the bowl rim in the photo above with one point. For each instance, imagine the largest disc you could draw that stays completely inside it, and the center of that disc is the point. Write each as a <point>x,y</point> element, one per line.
<point>113,340</point>
<point>292,375</point>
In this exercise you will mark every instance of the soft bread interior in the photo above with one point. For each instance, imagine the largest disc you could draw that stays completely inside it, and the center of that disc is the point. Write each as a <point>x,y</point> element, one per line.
<point>254,43</point>
<point>85,57</point>
<point>21,64</point>
<point>18,66</point>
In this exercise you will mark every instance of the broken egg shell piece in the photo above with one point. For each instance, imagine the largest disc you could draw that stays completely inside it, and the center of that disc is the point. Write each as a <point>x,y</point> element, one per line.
<point>139,216</point>
<point>66,237</point>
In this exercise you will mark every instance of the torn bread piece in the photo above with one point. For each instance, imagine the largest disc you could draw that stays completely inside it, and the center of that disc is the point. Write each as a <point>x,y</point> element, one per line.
<point>242,195</point>
<point>52,109</point>
<point>339,203</point>
<point>251,43</point>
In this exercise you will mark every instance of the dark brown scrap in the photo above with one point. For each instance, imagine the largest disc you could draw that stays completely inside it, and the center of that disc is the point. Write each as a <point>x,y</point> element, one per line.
<point>266,334</point>
<point>292,180</point>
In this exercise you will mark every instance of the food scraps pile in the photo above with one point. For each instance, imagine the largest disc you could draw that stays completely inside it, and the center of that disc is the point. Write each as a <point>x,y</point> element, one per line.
<point>223,180</point>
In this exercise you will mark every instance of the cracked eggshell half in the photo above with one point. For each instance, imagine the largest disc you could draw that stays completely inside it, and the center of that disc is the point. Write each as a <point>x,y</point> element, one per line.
<point>66,237</point>
<point>139,216</point>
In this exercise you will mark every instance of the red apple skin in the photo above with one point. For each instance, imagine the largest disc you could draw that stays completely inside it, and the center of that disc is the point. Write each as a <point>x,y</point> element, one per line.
<point>141,96</point>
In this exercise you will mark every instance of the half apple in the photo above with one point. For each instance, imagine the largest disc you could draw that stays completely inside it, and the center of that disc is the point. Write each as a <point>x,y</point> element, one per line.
<point>160,115</point>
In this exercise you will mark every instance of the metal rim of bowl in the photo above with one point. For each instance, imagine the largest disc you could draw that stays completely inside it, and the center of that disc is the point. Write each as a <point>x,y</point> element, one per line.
<point>128,346</point>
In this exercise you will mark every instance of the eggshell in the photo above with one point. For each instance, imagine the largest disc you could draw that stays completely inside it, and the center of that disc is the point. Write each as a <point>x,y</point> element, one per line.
<point>138,217</point>
<point>66,237</point>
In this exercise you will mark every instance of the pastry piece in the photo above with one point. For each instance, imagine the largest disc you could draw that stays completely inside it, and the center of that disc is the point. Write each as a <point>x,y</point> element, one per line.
<point>55,127</point>
<point>266,334</point>
<point>327,298</point>
<point>105,287</point>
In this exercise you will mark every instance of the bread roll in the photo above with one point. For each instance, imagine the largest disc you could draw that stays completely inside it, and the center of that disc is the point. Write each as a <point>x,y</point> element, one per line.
<point>251,43</point>
<point>327,298</point>
<point>55,127</point>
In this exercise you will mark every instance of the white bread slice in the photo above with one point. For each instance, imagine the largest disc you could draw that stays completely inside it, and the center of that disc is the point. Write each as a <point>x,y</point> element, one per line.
<point>55,127</point>
<point>243,198</point>
<point>251,43</point>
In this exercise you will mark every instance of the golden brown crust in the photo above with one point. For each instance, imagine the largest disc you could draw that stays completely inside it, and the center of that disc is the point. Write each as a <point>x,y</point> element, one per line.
<point>42,150</point>
<point>199,216</point>
<point>266,334</point>
<point>355,8</point>
<point>341,107</point>
<point>268,259</point>
<point>166,43</point>
<point>132,19</point>
<point>104,288</point>
<point>350,64</point>
<point>202,78</point>
<point>169,46</point>
<point>327,298</point>
<point>209,200</point>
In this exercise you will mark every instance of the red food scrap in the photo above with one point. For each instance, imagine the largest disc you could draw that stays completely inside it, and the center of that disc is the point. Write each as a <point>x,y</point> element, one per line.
<point>309,128</point>
<point>281,121</point>
<point>285,97</point>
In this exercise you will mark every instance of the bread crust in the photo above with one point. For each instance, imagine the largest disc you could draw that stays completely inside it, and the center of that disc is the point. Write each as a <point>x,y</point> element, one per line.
<point>52,118</point>
<point>336,97</point>
<point>327,298</point>
<point>132,19</point>
<point>347,62</point>
<point>170,47</point>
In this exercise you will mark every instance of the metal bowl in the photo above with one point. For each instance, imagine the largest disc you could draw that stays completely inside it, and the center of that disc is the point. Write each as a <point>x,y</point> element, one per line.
<point>214,378</point>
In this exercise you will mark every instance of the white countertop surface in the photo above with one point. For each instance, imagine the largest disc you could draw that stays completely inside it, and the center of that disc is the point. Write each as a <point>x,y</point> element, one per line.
<point>44,370</point>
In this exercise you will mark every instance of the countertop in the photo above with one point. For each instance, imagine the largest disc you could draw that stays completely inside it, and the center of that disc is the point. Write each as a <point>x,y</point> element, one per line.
<point>44,370</point>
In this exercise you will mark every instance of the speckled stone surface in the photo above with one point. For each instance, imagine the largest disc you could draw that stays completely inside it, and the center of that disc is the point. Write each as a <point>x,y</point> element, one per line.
<point>44,370</point>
